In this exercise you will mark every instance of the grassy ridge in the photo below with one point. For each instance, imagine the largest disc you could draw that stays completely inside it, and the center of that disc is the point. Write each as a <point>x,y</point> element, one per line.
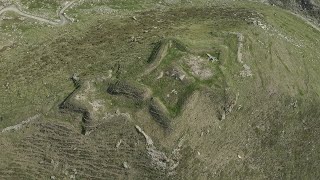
<point>271,132</point>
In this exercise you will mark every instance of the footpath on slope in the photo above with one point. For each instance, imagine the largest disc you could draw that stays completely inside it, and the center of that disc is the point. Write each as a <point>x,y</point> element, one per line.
<point>307,21</point>
<point>63,19</point>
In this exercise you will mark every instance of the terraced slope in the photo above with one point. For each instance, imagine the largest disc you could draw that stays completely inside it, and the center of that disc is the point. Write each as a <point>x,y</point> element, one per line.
<point>228,91</point>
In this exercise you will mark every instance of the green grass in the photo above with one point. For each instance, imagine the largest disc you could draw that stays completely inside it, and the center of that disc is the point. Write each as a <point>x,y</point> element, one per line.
<point>131,5</point>
<point>275,139</point>
<point>37,4</point>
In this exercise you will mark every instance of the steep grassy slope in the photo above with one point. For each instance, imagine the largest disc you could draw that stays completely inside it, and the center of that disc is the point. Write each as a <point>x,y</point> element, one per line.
<point>250,112</point>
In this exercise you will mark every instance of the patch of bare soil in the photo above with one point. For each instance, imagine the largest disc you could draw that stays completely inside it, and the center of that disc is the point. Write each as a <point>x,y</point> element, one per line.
<point>199,67</point>
<point>96,105</point>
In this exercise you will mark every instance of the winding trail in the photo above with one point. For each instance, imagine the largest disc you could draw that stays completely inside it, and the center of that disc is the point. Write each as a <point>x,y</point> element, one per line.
<point>63,19</point>
<point>306,20</point>
<point>21,125</point>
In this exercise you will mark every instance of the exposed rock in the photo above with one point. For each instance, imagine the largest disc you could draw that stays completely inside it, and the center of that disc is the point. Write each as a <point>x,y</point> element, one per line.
<point>160,75</point>
<point>294,104</point>
<point>119,143</point>
<point>181,78</point>
<point>159,159</point>
<point>176,73</point>
<point>174,91</point>
<point>310,8</point>
<point>240,45</point>
<point>212,58</point>
<point>223,116</point>
<point>76,79</point>
<point>126,165</point>
<point>246,72</point>
<point>96,105</point>
<point>148,139</point>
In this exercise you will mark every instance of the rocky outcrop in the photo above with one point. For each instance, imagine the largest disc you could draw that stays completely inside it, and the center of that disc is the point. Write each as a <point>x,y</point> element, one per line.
<point>307,7</point>
<point>159,159</point>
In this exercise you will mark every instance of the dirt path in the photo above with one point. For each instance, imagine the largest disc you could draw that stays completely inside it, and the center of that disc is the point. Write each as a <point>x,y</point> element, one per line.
<point>63,19</point>
<point>20,125</point>
<point>307,21</point>
<point>239,46</point>
<point>246,72</point>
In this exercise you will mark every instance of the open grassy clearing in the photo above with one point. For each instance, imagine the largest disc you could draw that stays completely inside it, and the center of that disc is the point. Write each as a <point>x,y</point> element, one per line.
<point>263,126</point>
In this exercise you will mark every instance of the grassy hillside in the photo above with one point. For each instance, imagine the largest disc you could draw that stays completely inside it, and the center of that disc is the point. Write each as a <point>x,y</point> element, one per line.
<point>310,8</point>
<point>166,90</point>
